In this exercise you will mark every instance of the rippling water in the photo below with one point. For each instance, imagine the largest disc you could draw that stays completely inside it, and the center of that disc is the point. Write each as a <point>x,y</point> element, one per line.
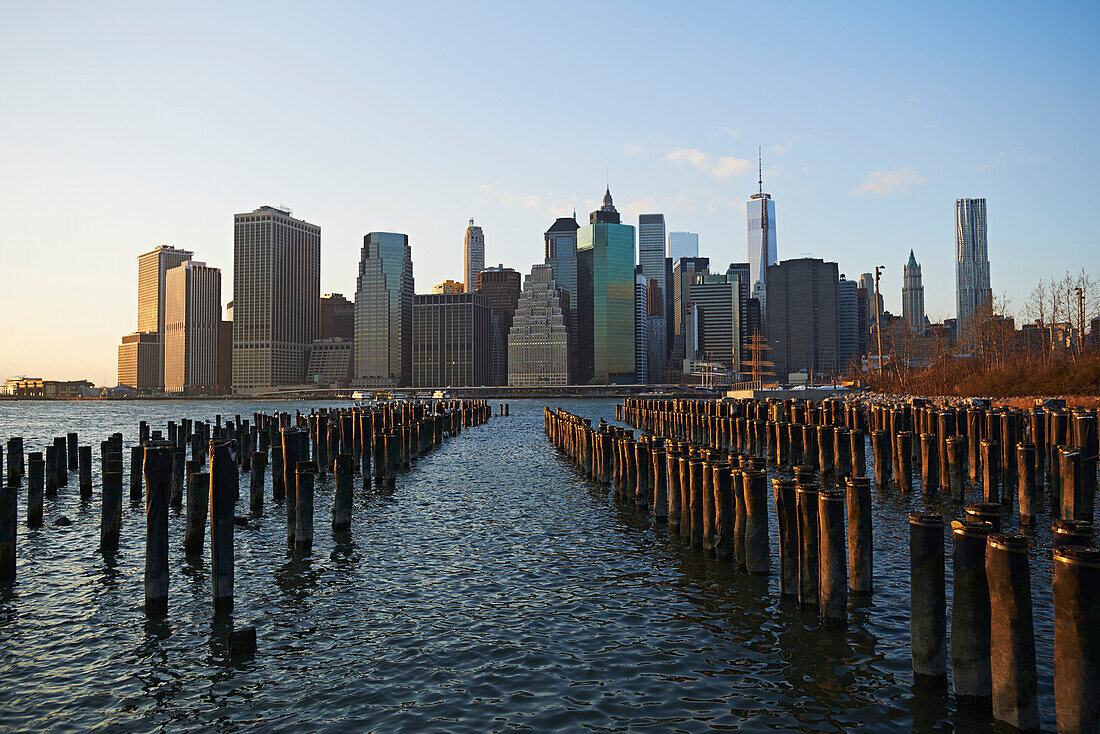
<point>493,588</point>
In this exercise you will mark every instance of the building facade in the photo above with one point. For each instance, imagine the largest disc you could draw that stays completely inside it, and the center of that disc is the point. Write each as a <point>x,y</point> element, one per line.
<point>153,267</point>
<point>972,288</point>
<point>561,255</point>
<point>651,258</point>
<point>192,321</point>
<point>802,318</point>
<point>762,250</point>
<point>473,255</point>
<point>538,343</point>
<point>605,308</point>
<point>139,356</point>
<point>384,293</point>
<point>330,362</point>
<point>682,244</point>
<point>451,334</point>
<point>641,327</point>
<point>912,295</point>
<point>337,317</point>
<point>717,301</point>
<point>847,323</point>
<point>501,288</point>
<point>276,298</point>
<point>449,286</point>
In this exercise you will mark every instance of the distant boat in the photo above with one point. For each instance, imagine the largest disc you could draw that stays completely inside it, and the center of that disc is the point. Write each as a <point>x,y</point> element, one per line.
<point>358,395</point>
<point>440,395</point>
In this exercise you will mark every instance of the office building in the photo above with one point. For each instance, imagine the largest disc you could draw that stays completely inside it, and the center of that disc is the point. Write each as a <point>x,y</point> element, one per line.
<point>561,255</point>
<point>225,352</point>
<point>651,258</point>
<point>450,343</point>
<point>605,308</point>
<point>449,286</point>
<point>656,332</point>
<point>538,343</point>
<point>276,298</point>
<point>972,289</point>
<point>912,296</point>
<point>847,324</point>
<point>138,362</point>
<point>742,271</point>
<point>716,299</point>
<point>337,317</point>
<point>802,318</point>
<point>501,287</point>
<point>153,267</point>
<point>762,249</point>
<point>641,327</point>
<point>192,320</point>
<point>473,255</point>
<point>330,363</point>
<point>682,244</point>
<point>384,292</point>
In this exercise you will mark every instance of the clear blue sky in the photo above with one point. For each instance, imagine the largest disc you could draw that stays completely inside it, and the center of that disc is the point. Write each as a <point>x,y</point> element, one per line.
<point>125,125</point>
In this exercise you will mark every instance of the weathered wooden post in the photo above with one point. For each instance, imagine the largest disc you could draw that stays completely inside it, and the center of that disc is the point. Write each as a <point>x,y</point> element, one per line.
<point>1077,639</point>
<point>928,599</point>
<point>970,671</point>
<point>660,478</point>
<point>158,468</point>
<point>303,529</point>
<point>62,462</point>
<point>808,566</point>
<point>71,446</point>
<point>695,466</point>
<point>786,510</point>
<point>179,475</point>
<point>9,530</point>
<point>36,485</point>
<point>723,511</point>
<point>737,489</point>
<point>880,450</point>
<point>278,477</point>
<point>198,499</point>
<point>256,481</point>
<point>905,461</point>
<point>991,472</point>
<point>757,552</point>
<point>860,540</point>
<point>51,471</point>
<point>111,512</point>
<point>930,472</point>
<point>1071,532</point>
<point>224,483</point>
<point>833,574</point>
<point>1025,473</point>
<point>956,453</point>
<point>1073,485</point>
<point>1012,632</point>
<point>344,476</point>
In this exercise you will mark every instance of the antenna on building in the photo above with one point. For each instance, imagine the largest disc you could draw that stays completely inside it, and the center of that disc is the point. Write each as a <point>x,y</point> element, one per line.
<point>760,168</point>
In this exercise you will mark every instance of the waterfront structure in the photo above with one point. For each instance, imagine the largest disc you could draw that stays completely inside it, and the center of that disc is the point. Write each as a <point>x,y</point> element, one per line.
<point>682,244</point>
<point>384,293</point>
<point>276,297</point>
<point>651,258</point>
<point>337,317</point>
<point>153,267</point>
<point>716,299</point>
<point>912,295</point>
<point>192,320</point>
<point>138,361</point>
<point>449,286</point>
<point>762,249</point>
<point>450,344</point>
<point>330,362</point>
<point>36,387</point>
<point>561,255</point>
<point>501,288</point>
<point>641,327</point>
<point>847,323</point>
<point>605,303</point>
<point>473,255</point>
<point>802,317</point>
<point>972,289</point>
<point>538,342</point>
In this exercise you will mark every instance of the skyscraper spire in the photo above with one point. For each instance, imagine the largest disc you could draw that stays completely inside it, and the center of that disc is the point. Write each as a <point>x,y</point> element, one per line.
<point>760,169</point>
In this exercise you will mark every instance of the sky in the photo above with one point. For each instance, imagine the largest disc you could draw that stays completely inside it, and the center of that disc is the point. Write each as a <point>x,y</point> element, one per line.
<point>128,125</point>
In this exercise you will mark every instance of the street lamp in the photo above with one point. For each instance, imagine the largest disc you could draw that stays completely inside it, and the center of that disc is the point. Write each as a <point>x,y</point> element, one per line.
<point>878,315</point>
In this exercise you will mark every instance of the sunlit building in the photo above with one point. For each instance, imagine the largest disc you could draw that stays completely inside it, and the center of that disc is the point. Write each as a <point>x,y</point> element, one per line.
<point>473,255</point>
<point>538,343</point>
<point>192,320</point>
<point>450,344</point>
<point>152,269</point>
<point>973,291</point>
<point>384,293</point>
<point>449,286</point>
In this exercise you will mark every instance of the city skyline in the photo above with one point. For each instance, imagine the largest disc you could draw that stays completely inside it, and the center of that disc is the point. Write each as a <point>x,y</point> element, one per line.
<point>864,160</point>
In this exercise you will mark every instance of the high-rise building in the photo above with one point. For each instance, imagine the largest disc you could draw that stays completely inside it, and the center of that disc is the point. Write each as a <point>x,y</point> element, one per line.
<point>561,256</point>
<point>762,248</point>
<point>337,317</point>
<point>474,255</point>
<point>451,340</point>
<point>152,269</point>
<point>192,320</point>
<point>605,309</point>
<point>684,271</point>
<point>651,258</point>
<point>138,358</point>
<point>802,317</point>
<point>717,302</point>
<point>912,295</point>
<point>330,362</point>
<point>682,244</point>
<point>225,352</point>
<point>538,343</point>
<point>742,272</point>
<point>641,327</point>
<point>657,332</point>
<point>501,288</point>
<point>972,289</point>
<point>875,311</point>
<point>276,298</point>
<point>384,292</point>
<point>847,323</point>
<point>449,286</point>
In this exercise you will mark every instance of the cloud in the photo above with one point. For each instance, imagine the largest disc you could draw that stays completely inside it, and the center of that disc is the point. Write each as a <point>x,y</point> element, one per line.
<point>731,166</point>
<point>695,157</point>
<point>641,206</point>
<point>733,132</point>
<point>633,150</point>
<point>892,182</point>
<point>487,187</point>
<point>779,149</point>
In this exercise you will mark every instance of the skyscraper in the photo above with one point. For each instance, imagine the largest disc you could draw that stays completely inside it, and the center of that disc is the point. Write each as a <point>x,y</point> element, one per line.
<point>847,323</point>
<point>972,289</point>
<point>802,317</point>
<point>717,302</point>
<point>501,287</point>
<point>651,258</point>
<point>762,249</point>
<point>153,267</point>
<point>384,294</point>
<point>683,276</point>
<point>605,284</point>
<point>450,344</point>
<point>138,356</point>
<point>912,295</point>
<point>641,327</point>
<point>561,256</point>
<point>682,244</point>
<point>337,317</point>
<point>276,297</point>
<point>538,343</point>
<point>192,320</point>
<point>474,255</point>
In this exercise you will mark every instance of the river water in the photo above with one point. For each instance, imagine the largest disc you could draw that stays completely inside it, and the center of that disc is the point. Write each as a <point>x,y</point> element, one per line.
<point>493,588</point>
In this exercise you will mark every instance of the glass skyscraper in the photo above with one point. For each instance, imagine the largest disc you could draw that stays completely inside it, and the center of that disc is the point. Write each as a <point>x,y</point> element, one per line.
<point>761,250</point>
<point>384,294</point>
<point>682,244</point>
<point>605,284</point>
<point>971,263</point>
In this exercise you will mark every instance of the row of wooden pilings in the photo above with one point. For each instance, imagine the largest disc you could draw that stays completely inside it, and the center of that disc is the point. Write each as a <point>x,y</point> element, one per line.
<point>375,442</point>
<point>695,473</point>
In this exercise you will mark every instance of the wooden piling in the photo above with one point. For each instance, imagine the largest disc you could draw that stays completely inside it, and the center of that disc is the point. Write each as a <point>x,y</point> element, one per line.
<point>198,499</point>
<point>808,553</point>
<point>860,540</point>
<point>928,599</point>
<point>1077,639</point>
<point>36,485</point>
<point>303,528</point>
<point>158,468</point>
<point>832,558</point>
<point>224,482</point>
<point>970,644</point>
<point>1012,632</point>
